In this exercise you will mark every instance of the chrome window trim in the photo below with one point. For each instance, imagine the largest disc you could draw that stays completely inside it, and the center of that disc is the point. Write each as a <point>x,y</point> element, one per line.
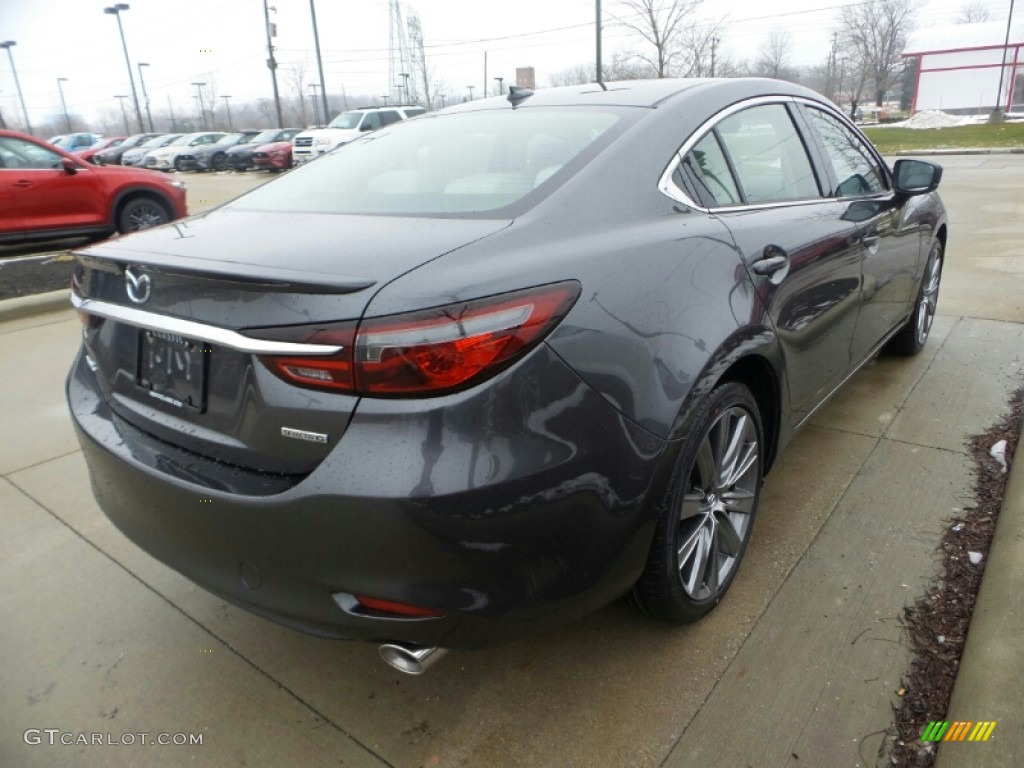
<point>190,329</point>
<point>671,190</point>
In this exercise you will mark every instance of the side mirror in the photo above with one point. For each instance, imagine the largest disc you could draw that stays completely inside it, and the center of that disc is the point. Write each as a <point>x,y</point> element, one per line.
<point>916,177</point>
<point>69,166</point>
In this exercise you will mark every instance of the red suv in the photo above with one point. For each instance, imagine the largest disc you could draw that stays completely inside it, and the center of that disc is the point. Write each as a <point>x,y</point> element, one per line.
<point>46,193</point>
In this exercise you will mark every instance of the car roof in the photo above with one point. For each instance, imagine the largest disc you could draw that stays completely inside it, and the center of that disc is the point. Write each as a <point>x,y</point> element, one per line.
<point>635,93</point>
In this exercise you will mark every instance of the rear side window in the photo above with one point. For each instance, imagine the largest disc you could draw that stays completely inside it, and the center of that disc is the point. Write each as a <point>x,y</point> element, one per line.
<point>387,118</point>
<point>706,171</point>
<point>857,170</point>
<point>769,158</point>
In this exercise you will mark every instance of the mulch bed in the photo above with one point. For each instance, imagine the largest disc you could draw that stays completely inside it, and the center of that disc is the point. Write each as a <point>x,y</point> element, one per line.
<point>936,625</point>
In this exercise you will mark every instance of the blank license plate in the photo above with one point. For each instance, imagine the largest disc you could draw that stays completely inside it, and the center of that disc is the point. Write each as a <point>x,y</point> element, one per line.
<point>173,369</point>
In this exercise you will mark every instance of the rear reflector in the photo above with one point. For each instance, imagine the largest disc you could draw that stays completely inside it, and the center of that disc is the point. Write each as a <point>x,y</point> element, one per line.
<point>397,609</point>
<point>428,352</point>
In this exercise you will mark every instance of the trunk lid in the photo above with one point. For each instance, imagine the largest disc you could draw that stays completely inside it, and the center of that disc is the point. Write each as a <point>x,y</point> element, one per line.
<point>166,303</point>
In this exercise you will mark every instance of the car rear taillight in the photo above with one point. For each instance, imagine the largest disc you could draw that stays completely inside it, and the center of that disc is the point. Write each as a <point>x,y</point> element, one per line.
<point>427,352</point>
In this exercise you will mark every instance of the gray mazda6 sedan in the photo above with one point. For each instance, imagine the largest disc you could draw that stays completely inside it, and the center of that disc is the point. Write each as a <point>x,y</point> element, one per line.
<point>481,372</point>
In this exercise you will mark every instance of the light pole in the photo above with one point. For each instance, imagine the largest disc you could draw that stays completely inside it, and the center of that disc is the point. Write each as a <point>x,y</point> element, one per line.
<point>124,114</point>
<point>8,44</point>
<point>316,103</point>
<point>115,10</point>
<point>501,88</point>
<point>202,111</point>
<point>319,61</point>
<point>227,106</point>
<point>405,84</point>
<point>997,113</point>
<point>271,61</point>
<point>145,96</point>
<point>63,104</point>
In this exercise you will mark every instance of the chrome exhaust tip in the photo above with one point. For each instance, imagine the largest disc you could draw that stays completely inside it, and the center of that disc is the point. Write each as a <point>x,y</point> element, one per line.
<point>411,659</point>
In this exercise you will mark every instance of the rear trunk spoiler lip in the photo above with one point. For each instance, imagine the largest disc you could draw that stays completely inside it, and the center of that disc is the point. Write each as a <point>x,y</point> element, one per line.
<point>261,279</point>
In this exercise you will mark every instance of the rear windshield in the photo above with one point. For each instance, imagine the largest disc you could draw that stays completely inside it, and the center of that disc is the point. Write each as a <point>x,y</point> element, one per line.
<point>455,164</point>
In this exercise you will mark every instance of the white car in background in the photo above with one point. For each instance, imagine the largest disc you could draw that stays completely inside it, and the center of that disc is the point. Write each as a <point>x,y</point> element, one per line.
<point>135,156</point>
<point>309,145</point>
<point>166,158</point>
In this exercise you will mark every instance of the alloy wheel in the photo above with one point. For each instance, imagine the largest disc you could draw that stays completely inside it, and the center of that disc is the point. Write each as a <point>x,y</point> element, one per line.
<point>929,296</point>
<point>716,512</point>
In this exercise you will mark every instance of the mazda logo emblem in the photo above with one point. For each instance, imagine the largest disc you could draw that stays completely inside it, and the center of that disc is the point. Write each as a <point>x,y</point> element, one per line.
<point>138,285</point>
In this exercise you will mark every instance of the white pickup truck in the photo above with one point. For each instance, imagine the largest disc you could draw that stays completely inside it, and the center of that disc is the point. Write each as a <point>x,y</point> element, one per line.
<point>309,145</point>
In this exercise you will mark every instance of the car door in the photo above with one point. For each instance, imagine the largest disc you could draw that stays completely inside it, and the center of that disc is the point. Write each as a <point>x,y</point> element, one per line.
<point>752,169</point>
<point>44,196</point>
<point>891,250</point>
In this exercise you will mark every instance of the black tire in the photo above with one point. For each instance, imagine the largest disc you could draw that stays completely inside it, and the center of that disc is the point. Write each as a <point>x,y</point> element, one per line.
<point>177,164</point>
<point>704,522</point>
<point>141,213</point>
<point>219,162</point>
<point>912,337</point>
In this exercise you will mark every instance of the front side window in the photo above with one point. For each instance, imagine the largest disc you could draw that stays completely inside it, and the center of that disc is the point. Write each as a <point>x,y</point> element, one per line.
<point>857,170</point>
<point>768,155</point>
<point>371,122</point>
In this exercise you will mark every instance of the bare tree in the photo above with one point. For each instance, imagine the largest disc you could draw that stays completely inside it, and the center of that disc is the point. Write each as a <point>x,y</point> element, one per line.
<point>854,74</point>
<point>295,76</point>
<point>773,56</point>
<point>878,31</point>
<point>662,24</point>
<point>701,52</point>
<point>578,75</point>
<point>973,12</point>
<point>626,66</point>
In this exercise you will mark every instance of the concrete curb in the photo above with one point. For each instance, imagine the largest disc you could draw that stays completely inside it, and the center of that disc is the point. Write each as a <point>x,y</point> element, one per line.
<point>987,684</point>
<point>37,304</point>
<point>968,151</point>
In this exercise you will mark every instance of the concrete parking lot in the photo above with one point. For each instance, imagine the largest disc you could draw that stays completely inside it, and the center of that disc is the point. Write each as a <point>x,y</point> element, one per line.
<point>798,666</point>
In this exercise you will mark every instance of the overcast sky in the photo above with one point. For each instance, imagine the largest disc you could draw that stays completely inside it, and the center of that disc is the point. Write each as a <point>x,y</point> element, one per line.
<point>223,42</point>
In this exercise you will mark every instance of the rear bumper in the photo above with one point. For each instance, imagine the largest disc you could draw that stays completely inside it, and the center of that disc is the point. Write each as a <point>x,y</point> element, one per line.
<point>441,504</point>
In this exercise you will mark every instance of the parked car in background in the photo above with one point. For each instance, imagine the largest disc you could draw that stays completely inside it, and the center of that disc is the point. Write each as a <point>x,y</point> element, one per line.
<point>212,157</point>
<point>74,141</point>
<point>136,155</point>
<point>88,153</point>
<point>112,155</point>
<point>166,158</point>
<point>276,156</point>
<point>239,158</point>
<point>477,375</point>
<point>49,193</point>
<point>313,143</point>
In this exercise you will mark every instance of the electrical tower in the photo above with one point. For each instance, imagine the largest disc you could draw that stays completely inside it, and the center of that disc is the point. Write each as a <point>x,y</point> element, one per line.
<point>399,60</point>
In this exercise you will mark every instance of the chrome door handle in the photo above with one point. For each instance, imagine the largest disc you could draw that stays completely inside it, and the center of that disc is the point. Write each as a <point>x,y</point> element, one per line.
<point>769,265</point>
